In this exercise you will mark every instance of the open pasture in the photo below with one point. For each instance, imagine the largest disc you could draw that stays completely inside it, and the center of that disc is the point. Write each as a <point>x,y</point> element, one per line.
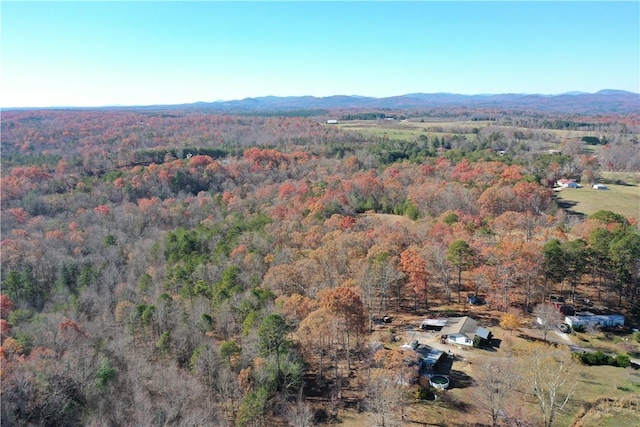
<point>622,198</point>
<point>410,130</point>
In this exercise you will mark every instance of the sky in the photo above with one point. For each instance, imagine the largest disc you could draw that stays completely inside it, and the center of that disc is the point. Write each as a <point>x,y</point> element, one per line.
<point>149,52</point>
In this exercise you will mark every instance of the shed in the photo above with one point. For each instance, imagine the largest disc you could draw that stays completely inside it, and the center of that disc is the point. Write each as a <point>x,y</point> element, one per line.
<point>430,357</point>
<point>433,324</point>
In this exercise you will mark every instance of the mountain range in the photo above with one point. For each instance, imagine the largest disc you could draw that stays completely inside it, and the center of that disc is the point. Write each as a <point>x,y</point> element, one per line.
<point>601,102</point>
<point>607,101</point>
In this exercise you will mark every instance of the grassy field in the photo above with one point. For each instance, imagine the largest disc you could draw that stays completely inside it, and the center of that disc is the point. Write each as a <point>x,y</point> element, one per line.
<point>619,198</point>
<point>409,130</point>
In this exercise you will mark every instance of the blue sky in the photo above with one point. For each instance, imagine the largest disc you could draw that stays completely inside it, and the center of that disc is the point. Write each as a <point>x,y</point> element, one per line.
<point>142,53</point>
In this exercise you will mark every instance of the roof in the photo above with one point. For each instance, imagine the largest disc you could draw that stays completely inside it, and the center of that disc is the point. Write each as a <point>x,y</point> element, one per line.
<point>429,355</point>
<point>588,317</point>
<point>460,325</point>
<point>434,322</point>
<point>483,332</point>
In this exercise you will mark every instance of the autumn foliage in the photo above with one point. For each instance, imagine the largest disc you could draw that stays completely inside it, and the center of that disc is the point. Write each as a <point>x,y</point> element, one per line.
<point>153,260</point>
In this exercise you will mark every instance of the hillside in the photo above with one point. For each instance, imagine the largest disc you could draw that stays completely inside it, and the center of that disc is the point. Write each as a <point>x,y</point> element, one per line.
<point>185,267</point>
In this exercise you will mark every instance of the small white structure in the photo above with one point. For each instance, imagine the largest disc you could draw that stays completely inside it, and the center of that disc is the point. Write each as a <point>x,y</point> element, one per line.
<point>589,319</point>
<point>599,187</point>
<point>332,122</point>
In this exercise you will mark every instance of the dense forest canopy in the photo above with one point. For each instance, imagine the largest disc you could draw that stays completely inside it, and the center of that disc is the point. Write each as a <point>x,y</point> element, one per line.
<point>154,262</point>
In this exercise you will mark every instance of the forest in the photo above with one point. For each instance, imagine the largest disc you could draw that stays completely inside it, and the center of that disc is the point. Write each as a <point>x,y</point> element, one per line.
<point>189,267</point>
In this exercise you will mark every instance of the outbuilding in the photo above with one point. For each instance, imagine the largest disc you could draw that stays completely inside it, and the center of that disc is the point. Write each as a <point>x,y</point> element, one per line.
<point>433,324</point>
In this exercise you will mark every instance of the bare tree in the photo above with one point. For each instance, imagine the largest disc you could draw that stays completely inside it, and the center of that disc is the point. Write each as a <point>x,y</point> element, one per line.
<point>549,377</point>
<point>494,382</point>
<point>300,414</point>
<point>385,401</point>
<point>547,317</point>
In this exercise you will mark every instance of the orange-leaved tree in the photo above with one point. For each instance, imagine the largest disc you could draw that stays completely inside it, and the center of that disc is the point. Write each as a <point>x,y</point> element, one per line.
<point>345,304</point>
<point>414,266</point>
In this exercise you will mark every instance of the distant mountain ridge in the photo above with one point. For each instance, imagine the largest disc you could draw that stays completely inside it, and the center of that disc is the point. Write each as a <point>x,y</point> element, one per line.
<point>606,101</point>
<point>601,102</point>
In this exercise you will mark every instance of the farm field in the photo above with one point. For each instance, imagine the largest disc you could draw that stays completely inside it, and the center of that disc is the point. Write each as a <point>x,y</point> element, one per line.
<point>409,130</point>
<point>620,198</point>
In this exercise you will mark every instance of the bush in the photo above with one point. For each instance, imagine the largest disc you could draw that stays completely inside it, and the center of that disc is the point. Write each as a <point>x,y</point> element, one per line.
<point>622,360</point>
<point>636,336</point>
<point>424,393</point>
<point>599,358</point>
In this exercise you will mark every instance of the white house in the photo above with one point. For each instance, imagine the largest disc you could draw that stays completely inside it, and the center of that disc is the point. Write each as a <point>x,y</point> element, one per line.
<point>589,319</point>
<point>567,183</point>
<point>332,121</point>
<point>462,331</point>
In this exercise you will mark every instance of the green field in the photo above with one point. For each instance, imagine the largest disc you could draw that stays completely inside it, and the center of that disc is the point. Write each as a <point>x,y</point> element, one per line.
<point>619,198</point>
<point>409,130</point>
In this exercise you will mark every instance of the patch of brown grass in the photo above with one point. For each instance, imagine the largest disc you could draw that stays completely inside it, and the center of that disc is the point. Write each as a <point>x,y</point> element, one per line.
<point>607,411</point>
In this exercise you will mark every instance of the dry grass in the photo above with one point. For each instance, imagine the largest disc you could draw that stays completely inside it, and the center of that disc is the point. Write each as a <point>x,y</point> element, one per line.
<point>606,412</point>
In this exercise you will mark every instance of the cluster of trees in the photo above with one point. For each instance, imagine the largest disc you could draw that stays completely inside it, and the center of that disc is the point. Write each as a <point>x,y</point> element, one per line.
<point>243,265</point>
<point>544,374</point>
<point>607,248</point>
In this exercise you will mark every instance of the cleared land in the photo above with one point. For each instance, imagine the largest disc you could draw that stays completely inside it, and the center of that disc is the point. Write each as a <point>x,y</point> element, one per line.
<point>409,130</point>
<point>619,198</point>
<point>455,407</point>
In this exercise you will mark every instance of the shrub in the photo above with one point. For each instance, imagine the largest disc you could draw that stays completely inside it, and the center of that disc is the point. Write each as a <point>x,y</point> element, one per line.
<point>622,360</point>
<point>636,336</point>
<point>599,358</point>
<point>424,393</point>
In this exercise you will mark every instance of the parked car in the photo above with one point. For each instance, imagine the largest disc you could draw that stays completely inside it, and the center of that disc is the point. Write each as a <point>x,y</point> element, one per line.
<point>475,300</point>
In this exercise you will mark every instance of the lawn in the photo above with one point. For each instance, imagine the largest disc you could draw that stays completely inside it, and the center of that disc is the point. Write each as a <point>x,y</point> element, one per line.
<point>621,199</point>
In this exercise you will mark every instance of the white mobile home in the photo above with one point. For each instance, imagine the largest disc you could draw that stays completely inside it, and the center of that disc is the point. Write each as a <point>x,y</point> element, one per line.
<point>607,320</point>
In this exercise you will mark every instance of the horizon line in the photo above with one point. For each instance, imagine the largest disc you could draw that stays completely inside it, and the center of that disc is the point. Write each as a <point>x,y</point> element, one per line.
<point>221,101</point>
